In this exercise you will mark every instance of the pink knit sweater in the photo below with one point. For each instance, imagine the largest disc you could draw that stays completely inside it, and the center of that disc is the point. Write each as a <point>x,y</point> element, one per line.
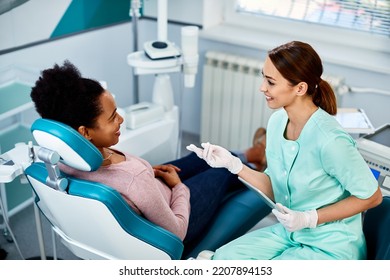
<point>148,196</point>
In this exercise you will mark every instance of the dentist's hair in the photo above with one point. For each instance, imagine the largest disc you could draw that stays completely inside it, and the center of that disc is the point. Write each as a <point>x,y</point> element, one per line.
<point>299,62</point>
<point>62,94</point>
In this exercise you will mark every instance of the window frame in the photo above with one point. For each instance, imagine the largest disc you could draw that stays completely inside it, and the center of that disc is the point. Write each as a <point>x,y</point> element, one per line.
<point>337,46</point>
<point>349,9</point>
<point>307,30</point>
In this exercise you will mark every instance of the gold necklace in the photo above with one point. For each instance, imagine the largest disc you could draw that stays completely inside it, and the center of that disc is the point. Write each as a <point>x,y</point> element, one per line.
<point>109,156</point>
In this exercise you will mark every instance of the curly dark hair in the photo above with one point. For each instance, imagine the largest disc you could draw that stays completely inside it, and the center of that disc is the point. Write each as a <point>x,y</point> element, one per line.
<point>62,94</point>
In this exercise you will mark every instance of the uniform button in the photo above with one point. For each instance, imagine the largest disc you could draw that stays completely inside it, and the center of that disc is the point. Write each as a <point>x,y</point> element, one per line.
<point>293,148</point>
<point>284,172</point>
<point>285,198</point>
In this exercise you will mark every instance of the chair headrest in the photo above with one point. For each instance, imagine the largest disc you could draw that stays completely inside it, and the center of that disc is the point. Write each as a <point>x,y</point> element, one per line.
<point>74,150</point>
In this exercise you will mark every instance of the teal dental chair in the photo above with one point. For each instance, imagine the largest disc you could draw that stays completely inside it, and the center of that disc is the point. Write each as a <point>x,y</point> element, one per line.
<point>95,222</point>
<point>376,227</point>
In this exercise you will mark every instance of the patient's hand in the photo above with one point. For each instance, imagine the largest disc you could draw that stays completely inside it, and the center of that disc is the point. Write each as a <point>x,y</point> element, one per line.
<point>168,173</point>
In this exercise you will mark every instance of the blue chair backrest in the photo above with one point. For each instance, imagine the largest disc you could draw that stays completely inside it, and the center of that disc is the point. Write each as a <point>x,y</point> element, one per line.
<point>73,148</point>
<point>376,229</point>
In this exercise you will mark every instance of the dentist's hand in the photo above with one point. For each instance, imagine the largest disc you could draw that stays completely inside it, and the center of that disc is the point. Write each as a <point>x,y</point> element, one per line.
<point>217,156</point>
<point>295,220</point>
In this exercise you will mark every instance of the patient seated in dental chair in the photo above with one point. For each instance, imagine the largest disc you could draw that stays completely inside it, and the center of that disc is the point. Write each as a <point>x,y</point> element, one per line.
<point>181,196</point>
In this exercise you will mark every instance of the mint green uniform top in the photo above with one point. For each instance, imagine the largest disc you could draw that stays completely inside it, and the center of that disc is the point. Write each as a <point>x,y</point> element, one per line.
<point>321,167</point>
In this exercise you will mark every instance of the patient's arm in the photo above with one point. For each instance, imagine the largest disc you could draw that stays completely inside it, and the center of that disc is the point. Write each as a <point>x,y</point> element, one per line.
<point>164,206</point>
<point>168,173</point>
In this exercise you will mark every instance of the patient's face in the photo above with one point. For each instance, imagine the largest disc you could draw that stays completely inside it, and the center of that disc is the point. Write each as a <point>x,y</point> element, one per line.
<point>106,133</point>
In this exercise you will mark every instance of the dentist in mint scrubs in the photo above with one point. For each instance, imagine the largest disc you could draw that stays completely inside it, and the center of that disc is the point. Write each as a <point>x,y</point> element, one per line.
<point>315,174</point>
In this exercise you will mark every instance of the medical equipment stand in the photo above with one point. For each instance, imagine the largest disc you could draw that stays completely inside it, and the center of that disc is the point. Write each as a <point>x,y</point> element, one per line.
<point>13,164</point>
<point>4,213</point>
<point>135,14</point>
<point>185,61</point>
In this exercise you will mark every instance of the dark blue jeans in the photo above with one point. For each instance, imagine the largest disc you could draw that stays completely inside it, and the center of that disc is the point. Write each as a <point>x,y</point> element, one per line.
<point>208,187</point>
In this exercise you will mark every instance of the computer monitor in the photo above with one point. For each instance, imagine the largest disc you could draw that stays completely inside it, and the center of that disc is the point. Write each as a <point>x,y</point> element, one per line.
<point>381,136</point>
<point>375,149</point>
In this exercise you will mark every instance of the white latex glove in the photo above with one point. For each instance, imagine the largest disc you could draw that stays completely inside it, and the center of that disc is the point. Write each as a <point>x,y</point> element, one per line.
<point>216,156</point>
<point>295,220</point>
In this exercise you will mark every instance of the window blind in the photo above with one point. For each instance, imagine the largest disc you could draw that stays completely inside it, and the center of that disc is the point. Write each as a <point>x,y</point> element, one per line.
<point>364,15</point>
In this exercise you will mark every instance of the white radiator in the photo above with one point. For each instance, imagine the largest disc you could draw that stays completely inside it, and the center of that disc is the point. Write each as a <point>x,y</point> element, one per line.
<point>232,105</point>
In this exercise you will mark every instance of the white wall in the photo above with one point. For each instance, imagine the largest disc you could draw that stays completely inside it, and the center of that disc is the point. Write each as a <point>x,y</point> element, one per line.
<point>99,54</point>
<point>32,21</point>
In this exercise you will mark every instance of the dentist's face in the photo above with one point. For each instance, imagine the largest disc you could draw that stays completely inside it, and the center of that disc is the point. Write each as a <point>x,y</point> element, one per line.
<point>277,90</point>
<point>106,132</point>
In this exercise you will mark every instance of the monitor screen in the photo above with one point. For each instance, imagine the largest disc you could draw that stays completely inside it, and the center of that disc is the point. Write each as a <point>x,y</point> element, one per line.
<point>376,173</point>
<point>382,136</point>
